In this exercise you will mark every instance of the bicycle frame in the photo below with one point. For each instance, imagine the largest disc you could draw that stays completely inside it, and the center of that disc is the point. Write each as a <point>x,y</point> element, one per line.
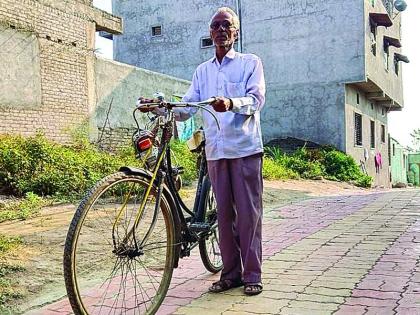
<point>162,174</point>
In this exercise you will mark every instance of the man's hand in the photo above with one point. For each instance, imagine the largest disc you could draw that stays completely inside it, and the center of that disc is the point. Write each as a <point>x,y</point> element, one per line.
<point>222,104</point>
<point>143,108</point>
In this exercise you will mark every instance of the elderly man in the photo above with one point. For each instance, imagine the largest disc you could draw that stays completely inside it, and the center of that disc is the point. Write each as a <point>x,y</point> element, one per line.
<point>234,153</point>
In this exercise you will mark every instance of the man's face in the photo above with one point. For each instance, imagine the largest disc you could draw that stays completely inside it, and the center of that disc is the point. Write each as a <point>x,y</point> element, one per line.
<point>222,31</point>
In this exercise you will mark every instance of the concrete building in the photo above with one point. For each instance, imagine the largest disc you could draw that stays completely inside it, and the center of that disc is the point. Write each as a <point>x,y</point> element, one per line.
<point>399,162</point>
<point>51,80</point>
<point>333,68</point>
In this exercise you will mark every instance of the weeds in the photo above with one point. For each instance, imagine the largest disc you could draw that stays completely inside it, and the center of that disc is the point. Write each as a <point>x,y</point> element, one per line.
<point>24,208</point>
<point>325,162</point>
<point>8,291</point>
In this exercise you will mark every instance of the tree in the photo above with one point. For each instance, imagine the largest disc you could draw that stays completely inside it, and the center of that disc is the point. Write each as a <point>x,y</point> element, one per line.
<point>415,139</point>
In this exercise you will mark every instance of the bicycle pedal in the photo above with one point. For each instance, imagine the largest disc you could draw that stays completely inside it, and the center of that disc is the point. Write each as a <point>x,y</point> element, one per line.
<point>200,227</point>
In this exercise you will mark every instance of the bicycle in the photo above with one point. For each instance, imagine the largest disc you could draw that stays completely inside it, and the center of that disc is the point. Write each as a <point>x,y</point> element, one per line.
<point>132,227</point>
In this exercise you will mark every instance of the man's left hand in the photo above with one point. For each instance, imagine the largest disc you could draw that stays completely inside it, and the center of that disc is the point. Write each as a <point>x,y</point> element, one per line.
<point>222,104</point>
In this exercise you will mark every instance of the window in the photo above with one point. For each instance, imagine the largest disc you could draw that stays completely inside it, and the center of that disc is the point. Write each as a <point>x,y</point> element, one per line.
<point>373,37</point>
<point>383,133</point>
<point>383,111</point>
<point>206,42</point>
<point>393,149</point>
<point>371,106</point>
<point>386,56</point>
<point>357,98</point>
<point>372,134</point>
<point>396,66</point>
<point>157,30</point>
<point>389,150</point>
<point>357,129</point>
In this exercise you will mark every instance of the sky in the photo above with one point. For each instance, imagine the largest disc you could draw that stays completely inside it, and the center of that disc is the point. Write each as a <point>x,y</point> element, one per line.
<point>400,123</point>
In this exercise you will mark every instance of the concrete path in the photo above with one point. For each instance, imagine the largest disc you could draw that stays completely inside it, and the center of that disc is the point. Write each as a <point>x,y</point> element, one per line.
<point>337,255</point>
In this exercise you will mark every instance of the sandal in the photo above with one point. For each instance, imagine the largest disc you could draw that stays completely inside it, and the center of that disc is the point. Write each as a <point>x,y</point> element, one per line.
<point>253,289</point>
<point>224,285</point>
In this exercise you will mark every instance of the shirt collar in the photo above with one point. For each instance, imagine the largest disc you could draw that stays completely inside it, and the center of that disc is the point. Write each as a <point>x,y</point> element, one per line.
<point>230,55</point>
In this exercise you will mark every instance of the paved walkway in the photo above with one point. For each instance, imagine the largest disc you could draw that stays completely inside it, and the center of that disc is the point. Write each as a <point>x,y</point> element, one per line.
<point>336,255</point>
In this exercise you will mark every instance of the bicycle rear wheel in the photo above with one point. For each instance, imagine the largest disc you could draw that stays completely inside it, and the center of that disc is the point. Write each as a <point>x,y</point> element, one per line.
<point>209,243</point>
<point>105,272</point>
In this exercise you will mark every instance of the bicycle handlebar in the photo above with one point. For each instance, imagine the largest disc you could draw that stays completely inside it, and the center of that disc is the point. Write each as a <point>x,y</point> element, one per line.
<point>171,105</point>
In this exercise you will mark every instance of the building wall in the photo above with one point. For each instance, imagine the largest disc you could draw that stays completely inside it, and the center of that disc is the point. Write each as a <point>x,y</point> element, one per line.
<point>177,51</point>
<point>365,154</point>
<point>118,87</point>
<point>309,49</point>
<point>399,162</point>
<point>387,80</point>
<point>47,57</point>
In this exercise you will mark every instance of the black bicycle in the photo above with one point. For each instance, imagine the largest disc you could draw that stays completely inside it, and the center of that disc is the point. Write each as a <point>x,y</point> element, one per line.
<point>131,228</point>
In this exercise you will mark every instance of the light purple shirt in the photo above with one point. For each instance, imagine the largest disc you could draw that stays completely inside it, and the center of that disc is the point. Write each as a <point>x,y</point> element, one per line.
<point>239,77</point>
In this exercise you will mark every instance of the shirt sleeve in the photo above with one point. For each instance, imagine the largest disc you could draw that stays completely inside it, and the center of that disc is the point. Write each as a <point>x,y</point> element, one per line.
<point>192,95</point>
<point>255,92</point>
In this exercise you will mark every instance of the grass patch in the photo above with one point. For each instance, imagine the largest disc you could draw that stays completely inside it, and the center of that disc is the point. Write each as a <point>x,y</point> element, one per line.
<point>24,208</point>
<point>8,288</point>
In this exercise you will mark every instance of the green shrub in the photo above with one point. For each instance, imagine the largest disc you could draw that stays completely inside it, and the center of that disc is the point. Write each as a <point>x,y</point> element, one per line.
<point>182,156</point>
<point>364,181</point>
<point>45,168</point>
<point>273,169</point>
<point>341,166</point>
<point>36,165</point>
<point>326,162</point>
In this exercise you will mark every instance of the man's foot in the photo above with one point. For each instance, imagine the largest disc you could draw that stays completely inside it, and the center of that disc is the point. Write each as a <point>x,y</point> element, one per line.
<point>224,285</point>
<point>253,289</point>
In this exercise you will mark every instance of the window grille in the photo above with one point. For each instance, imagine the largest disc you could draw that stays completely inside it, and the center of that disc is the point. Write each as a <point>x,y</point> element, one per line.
<point>372,134</point>
<point>357,129</point>
<point>157,30</point>
<point>383,133</point>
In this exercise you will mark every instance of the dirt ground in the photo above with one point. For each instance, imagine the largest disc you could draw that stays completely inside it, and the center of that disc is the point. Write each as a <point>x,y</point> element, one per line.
<point>41,254</point>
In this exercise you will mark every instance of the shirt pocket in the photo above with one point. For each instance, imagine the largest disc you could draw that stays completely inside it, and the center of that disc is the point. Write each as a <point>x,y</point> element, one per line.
<point>235,89</point>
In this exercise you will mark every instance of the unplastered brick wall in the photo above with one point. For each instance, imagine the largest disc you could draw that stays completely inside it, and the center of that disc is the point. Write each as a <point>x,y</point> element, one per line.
<point>62,44</point>
<point>110,139</point>
<point>87,2</point>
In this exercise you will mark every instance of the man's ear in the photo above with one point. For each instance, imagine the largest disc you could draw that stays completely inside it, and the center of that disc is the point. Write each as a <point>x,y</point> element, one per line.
<point>236,34</point>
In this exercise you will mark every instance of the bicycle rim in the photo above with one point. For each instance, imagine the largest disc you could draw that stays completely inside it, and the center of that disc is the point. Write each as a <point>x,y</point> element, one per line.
<point>209,244</point>
<point>104,272</point>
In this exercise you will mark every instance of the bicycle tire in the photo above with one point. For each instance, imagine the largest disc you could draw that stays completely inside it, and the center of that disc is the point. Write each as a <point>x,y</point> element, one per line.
<point>209,243</point>
<point>102,270</point>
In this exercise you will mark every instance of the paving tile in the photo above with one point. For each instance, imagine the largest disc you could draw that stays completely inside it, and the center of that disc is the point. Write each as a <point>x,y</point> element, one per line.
<point>337,255</point>
<point>351,310</point>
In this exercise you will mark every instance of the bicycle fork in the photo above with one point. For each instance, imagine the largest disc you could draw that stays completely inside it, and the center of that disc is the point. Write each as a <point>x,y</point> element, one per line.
<point>122,248</point>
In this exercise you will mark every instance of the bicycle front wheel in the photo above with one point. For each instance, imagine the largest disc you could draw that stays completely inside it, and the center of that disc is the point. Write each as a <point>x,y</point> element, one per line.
<point>209,243</point>
<point>113,265</point>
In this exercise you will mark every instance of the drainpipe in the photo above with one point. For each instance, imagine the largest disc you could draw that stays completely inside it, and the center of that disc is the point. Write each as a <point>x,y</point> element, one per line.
<point>239,12</point>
